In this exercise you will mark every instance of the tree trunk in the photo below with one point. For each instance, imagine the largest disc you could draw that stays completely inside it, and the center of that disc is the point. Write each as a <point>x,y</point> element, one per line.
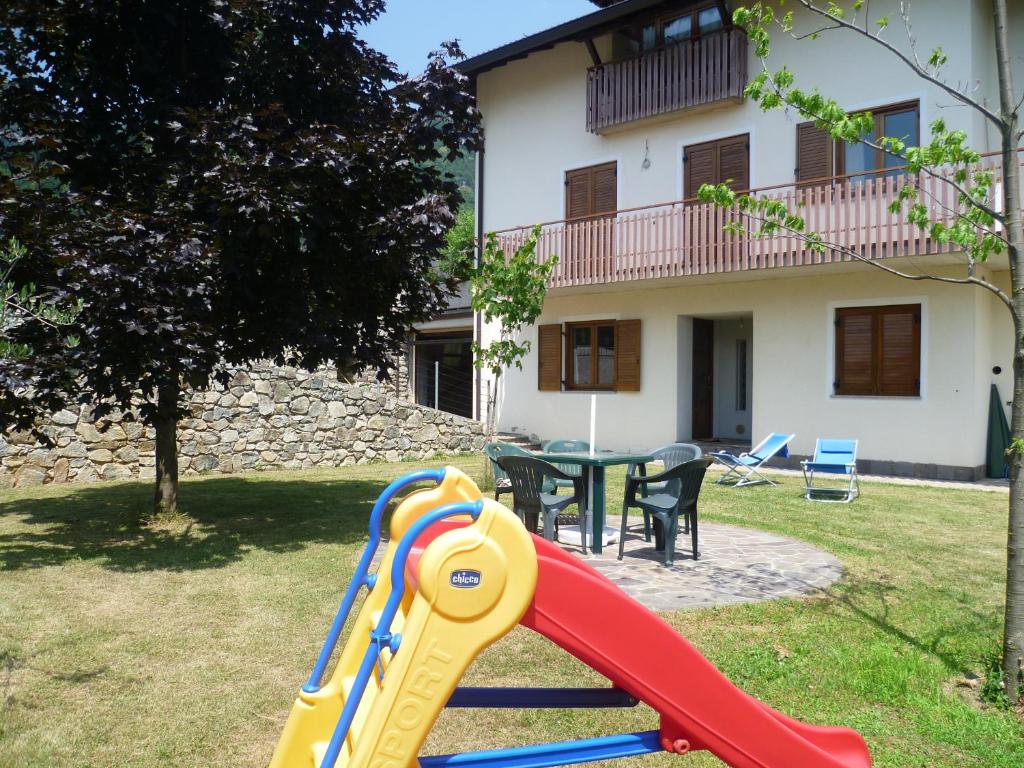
<point>165,500</point>
<point>1013,629</point>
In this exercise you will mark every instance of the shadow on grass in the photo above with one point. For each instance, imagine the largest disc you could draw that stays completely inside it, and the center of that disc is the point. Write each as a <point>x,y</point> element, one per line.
<point>227,517</point>
<point>869,601</point>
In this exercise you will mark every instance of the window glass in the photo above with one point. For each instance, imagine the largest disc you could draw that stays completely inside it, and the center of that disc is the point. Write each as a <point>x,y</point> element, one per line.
<point>678,29</point>
<point>741,374</point>
<point>903,126</point>
<point>648,37</point>
<point>581,356</point>
<point>606,355</point>
<point>859,157</point>
<point>708,20</point>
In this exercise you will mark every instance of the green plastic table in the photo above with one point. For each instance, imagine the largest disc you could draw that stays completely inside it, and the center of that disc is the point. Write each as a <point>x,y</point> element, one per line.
<point>593,472</point>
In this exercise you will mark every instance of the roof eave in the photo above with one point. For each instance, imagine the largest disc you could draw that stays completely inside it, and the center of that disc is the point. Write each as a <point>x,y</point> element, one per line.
<point>575,29</point>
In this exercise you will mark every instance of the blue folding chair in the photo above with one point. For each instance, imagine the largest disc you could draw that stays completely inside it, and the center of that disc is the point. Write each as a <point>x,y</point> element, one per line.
<point>832,457</point>
<point>744,468</point>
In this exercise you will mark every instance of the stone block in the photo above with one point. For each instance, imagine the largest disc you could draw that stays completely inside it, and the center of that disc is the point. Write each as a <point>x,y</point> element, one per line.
<point>282,392</point>
<point>115,472</point>
<point>101,456</point>
<point>65,418</point>
<point>300,405</point>
<point>128,455</point>
<point>205,463</point>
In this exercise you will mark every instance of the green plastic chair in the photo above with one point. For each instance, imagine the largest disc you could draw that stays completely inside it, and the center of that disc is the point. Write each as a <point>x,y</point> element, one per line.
<point>679,499</point>
<point>529,476</point>
<point>572,470</point>
<point>501,482</point>
<point>671,455</point>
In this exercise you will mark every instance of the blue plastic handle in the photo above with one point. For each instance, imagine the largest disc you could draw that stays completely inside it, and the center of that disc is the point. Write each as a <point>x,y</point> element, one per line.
<point>382,636</point>
<point>553,754</point>
<point>361,577</point>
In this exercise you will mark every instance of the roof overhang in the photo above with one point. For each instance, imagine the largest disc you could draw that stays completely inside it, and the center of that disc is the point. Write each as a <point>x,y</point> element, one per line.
<point>611,15</point>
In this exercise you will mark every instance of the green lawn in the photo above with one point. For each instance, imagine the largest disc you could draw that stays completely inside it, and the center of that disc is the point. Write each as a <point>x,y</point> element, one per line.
<point>123,645</point>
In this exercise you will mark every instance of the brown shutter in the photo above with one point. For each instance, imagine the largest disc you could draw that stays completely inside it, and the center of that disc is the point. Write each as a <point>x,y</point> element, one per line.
<point>577,194</point>
<point>878,350</point>
<point>549,358</point>
<point>627,356</point>
<point>899,329</point>
<point>605,198</point>
<point>855,352</point>
<point>717,162</point>
<point>700,166</point>
<point>734,162</point>
<point>814,153</point>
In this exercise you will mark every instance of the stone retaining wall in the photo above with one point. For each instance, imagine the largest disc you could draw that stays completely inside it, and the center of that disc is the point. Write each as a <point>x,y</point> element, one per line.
<point>266,418</point>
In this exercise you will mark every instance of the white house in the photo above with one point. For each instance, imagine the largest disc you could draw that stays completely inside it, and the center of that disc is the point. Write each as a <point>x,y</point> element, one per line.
<point>603,128</point>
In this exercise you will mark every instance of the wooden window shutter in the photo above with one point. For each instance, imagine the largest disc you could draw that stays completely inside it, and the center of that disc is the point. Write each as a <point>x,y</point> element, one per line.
<point>577,194</point>
<point>878,350</point>
<point>855,352</point>
<point>549,358</point>
<point>815,151</point>
<point>734,162</point>
<point>627,356</point>
<point>899,330</point>
<point>717,162</point>
<point>605,184</point>
<point>700,166</point>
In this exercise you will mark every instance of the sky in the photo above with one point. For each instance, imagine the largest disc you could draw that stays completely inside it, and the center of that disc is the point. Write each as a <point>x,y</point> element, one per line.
<point>410,29</point>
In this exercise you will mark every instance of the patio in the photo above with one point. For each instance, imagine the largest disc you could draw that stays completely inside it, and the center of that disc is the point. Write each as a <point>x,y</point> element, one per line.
<point>737,565</point>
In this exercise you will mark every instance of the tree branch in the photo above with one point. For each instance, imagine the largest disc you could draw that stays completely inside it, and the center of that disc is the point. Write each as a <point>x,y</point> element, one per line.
<point>918,70</point>
<point>803,236</point>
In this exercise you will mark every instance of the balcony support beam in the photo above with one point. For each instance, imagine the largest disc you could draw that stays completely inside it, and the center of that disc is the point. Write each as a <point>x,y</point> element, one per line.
<point>592,50</point>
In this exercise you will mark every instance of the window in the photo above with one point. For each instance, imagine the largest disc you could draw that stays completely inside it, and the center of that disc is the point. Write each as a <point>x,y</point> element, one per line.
<point>679,27</point>
<point>741,375</point>
<point>819,156</point>
<point>591,191</point>
<point>717,162</point>
<point>591,353</point>
<point>598,355</point>
<point>878,350</point>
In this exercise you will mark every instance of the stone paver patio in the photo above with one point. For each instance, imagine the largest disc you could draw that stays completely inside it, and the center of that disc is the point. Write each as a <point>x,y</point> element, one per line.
<point>737,565</point>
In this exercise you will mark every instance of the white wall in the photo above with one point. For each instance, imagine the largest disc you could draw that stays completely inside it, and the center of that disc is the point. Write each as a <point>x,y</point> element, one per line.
<point>792,367</point>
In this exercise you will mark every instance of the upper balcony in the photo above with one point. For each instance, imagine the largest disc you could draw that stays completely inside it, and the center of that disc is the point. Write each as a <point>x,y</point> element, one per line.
<point>691,73</point>
<point>687,238</point>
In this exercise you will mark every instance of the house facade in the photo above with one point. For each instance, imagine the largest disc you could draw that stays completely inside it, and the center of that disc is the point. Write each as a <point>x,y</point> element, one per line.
<point>604,128</point>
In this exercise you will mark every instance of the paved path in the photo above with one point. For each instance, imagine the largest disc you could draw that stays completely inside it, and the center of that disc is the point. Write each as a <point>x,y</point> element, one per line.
<point>737,565</point>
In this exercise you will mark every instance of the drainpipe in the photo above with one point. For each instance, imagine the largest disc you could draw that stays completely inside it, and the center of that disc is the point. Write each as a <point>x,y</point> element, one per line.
<point>477,318</point>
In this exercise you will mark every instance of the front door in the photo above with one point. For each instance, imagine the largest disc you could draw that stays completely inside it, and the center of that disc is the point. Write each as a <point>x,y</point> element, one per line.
<point>703,378</point>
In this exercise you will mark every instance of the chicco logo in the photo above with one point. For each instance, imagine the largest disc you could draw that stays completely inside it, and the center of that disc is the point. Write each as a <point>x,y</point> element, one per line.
<point>465,579</point>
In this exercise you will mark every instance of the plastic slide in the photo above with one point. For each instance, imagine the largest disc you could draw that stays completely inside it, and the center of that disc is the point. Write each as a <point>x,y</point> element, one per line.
<point>459,572</point>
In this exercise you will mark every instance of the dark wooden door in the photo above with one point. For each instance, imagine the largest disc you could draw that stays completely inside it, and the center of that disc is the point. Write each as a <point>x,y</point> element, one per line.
<point>703,378</point>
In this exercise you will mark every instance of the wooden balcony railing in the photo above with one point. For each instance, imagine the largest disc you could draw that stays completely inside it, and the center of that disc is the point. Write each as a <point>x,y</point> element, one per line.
<point>687,74</point>
<point>687,238</point>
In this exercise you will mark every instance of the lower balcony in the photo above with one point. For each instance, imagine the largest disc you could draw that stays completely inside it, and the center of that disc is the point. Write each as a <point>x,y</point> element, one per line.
<point>687,237</point>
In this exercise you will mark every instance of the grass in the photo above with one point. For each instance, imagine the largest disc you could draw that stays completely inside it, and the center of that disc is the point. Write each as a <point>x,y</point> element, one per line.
<point>184,645</point>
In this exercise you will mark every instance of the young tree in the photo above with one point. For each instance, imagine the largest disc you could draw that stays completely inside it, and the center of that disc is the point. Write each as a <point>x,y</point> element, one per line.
<point>505,287</point>
<point>977,222</point>
<point>216,182</point>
